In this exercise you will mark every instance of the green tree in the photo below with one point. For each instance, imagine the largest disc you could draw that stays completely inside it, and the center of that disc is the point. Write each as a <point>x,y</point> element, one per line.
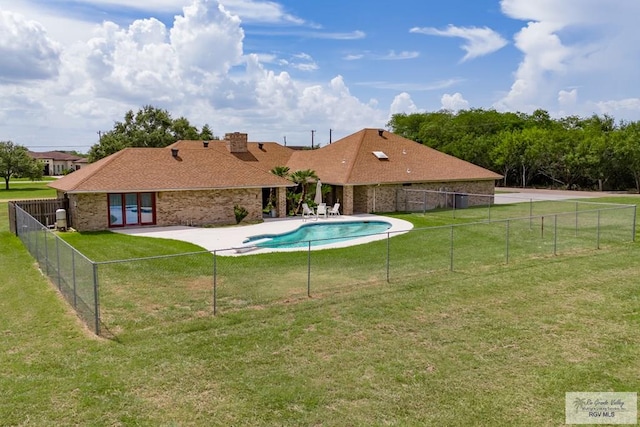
<point>15,161</point>
<point>627,147</point>
<point>149,127</point>
<point>281,171</point>
<point>303,178</point>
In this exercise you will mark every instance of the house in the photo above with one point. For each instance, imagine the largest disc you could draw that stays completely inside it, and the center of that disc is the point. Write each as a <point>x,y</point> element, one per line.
<point>200,182</point>
<point>58,162</point>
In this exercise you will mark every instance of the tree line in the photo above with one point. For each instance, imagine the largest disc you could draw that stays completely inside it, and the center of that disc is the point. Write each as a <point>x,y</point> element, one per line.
<point>534,149</point>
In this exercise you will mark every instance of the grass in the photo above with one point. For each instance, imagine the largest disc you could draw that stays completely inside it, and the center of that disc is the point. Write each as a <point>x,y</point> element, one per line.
<point>20,189</point>
<point>497,345</point>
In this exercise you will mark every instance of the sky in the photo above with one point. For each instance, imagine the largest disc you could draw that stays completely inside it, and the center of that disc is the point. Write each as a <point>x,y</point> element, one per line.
<point>288,71</point>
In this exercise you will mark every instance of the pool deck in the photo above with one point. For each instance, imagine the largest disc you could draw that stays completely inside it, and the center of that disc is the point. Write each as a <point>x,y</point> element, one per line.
<point>229,240</point>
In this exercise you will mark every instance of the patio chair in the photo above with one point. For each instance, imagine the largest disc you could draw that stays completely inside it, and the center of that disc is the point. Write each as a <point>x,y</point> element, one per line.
<point>335,210</point>
<point>307,212</point>
<point>321,210</point>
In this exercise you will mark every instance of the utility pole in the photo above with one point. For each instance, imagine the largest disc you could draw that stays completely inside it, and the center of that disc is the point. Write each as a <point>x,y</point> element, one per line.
<point>312,132</point>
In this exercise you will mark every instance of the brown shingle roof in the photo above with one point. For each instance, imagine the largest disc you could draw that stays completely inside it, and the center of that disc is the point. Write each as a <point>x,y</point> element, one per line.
<point>54,155</point>
<point>263,155</point>
<point>348,161</point>
<point>351,161</point>
<point>154,169</point>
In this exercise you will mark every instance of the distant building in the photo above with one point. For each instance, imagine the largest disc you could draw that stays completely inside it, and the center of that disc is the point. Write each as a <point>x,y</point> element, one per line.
<point>57,162</point>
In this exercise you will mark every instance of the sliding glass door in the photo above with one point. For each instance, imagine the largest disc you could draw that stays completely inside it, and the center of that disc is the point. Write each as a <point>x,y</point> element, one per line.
<point>127,209</point>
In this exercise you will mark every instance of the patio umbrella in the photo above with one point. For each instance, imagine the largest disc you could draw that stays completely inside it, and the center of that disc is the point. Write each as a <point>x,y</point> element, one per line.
<point>318,198</point>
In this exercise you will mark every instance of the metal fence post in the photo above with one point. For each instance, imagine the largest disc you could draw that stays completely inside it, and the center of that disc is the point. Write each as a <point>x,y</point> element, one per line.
<point>507,239</point>
<point>451,251</point>
<point>46,252</point>
<point>73,273</point>
<point>424,202</point>
<point>215,283</point>
<point>388,255</point>
<point>96,299</point>
<point>633,228</point>
<point>576,219</point>
<point>555,234</point>
<point>598,231</point>
<point>454,205</point>
<point>309,270</point>
<point>58,262</point>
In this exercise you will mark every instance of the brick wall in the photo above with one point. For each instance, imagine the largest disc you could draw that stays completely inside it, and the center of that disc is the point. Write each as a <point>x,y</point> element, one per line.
<point>477,192</point>
<point>89,212</point>
<point>206,207</point>
<point>392,198</point>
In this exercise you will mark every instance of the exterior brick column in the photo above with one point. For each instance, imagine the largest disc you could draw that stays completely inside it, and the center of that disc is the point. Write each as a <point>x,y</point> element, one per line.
<point>281,195</point>
<point>347,199</point>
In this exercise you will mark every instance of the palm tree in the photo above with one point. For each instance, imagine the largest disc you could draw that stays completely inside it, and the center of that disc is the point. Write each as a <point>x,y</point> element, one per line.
<point>282,171</point>
<point>303,178</point>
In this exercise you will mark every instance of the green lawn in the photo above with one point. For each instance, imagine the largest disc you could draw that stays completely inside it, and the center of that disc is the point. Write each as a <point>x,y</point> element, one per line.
<point>485,345</point>
<point>20,189</point>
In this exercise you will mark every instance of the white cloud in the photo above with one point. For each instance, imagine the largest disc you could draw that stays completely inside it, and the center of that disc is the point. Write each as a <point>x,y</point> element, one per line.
<point>568,98</point>
<point>619,108</point>
<point>454,102</point>
<point>353,57</point>
<point>574,43</point>
<point>479,41</point>
<point>403,103</point>
<point>261,11</point>
<point>392,55</point>
<point>26,50</point>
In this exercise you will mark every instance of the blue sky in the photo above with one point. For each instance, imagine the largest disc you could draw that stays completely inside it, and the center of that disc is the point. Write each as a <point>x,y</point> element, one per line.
<point>282,68</point>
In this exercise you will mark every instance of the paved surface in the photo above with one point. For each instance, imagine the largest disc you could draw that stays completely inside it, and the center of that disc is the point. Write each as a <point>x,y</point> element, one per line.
<point>232,237</point>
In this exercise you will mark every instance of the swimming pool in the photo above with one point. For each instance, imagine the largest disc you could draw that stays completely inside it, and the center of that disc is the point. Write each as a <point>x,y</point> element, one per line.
<point>319,234</point>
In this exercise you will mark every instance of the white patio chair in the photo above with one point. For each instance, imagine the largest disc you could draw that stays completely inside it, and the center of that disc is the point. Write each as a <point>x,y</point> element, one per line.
<point>321,210</point>
<point>307,212</point>
<point>335,210</point>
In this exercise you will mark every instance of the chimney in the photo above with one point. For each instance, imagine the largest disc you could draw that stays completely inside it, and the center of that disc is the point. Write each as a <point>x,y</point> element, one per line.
<point>236,142</point>
<point>174,152</point>
<point>205,144</point>
<point>380,132</point>
<point>260,145</point>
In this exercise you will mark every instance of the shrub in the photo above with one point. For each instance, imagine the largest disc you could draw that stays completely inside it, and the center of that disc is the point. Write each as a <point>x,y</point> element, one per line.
<point>240,213</point>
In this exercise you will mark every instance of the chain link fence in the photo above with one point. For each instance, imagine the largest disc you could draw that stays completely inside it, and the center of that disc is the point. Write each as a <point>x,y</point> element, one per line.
<point>71,272</point>
<point>164,291</point>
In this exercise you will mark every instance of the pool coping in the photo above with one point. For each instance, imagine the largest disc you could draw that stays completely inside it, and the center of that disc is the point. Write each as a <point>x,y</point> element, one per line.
<point>228,241</point>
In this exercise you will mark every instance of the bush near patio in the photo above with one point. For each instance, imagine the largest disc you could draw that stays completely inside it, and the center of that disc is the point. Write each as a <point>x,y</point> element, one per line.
<point>498,345</point>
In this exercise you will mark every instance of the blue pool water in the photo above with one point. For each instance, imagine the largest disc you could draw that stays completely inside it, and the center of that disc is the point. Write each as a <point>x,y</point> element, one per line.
<point>319,234</point>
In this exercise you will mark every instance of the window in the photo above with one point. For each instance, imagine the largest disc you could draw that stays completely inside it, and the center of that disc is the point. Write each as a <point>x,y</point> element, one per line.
<point>131,209</point>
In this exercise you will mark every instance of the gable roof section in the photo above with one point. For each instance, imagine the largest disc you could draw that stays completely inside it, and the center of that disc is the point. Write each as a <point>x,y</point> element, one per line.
<point>351,161</point>
<point>155,169</point>
<point>54,155</point>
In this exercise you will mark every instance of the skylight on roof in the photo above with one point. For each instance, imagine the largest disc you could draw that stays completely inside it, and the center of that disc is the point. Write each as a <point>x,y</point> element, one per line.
<point>380,155</point>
